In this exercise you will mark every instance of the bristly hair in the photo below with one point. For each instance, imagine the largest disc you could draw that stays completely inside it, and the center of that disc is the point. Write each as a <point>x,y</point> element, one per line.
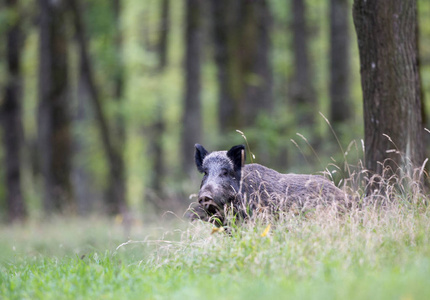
<point>219,156</point>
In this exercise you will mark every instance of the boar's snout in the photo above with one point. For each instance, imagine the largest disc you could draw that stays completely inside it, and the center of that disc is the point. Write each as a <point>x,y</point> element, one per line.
<point>205,197</point>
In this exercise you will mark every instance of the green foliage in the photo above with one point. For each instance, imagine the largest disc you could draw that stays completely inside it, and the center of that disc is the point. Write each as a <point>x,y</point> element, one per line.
<point>150,96</point>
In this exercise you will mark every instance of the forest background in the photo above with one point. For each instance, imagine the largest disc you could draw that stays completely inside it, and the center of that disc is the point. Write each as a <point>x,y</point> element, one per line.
<point>113,95</point>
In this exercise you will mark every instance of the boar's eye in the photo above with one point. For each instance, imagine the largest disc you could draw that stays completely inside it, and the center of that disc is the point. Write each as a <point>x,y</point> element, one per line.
<point>224,172</point>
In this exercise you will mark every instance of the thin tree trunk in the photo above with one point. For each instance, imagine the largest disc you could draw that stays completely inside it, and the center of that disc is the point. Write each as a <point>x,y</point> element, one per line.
<point>119,61</point>
<point>54,120</point>
<point>155,193</point>
<point>119,118</point>
<point>12,118</point>
<point>340,110</point>
<point>192,121</point>
<point>302,89</point>
<point>164,34</point>
<point>257,72</point>
<point>390,79</point>
<point>82,181</point>
<point>117,202</point>
<point>241,34</point>
<point>223,16</point>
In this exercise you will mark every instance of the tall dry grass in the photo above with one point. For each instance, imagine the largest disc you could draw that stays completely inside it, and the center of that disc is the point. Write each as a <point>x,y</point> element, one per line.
<point>387,229</point>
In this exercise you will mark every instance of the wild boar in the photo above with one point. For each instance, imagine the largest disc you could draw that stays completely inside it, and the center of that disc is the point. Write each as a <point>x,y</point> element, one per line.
<point>229,183</point>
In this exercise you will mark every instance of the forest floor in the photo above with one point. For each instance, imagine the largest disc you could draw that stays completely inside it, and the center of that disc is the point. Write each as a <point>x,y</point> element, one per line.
<point>366,254</point>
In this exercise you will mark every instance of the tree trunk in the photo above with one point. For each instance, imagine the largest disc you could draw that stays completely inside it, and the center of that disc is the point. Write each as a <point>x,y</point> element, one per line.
<point>119,61</point>
<point>54,120</point>
<point>155,193</point>
<point>254,51</point>
<point>164,34</point>
<point>223,16</point>
<point>116,202</point>
<point>241,34</point>
<point>302,90</point>
<point>117,181</point>
<point>11,116</point>
<point>340,110</point>
<point>80,177</point>
<point>192,107</point>
<point>387,39</point>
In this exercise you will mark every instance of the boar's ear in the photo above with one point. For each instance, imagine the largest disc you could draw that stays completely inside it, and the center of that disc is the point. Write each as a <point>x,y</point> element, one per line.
<point>237,156</point>
<point>199,156</point>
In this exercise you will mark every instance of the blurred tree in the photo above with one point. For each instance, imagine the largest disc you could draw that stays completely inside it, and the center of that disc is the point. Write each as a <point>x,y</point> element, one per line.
<point>11,114</point>
<point>191,119</point>
<point>164,34</point>
<point>302,91</point>
<point>119,63</point>
<point>340,110</point>
<point>82,179</point>
<point>390,79</point>
<point>53,117</point>
<point>116,202</point>
<point>223,12</point>
<point>254,51</point>
<point>155,193</point>
<point>241,35</point>
<point>117,184</point>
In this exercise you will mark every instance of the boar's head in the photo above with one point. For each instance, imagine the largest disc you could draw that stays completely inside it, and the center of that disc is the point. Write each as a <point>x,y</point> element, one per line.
<point>222,174</point>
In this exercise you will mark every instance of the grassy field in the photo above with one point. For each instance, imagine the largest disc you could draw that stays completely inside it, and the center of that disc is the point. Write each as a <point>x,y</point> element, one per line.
<point>368,254</point>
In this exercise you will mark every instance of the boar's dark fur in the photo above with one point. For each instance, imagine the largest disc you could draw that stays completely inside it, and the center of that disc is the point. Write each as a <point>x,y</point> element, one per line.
<point>229,184</point>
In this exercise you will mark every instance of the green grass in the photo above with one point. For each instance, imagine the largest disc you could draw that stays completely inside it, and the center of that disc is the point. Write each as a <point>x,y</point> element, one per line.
<point>368,254</point>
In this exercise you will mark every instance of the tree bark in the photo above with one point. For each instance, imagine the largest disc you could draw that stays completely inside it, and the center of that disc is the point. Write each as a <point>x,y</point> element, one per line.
<point>390,79</point>
<point>192,121</point>
<point>12,117</point>
<point>53,118</point>
<point>340,110</point>
<point>116,202</point>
